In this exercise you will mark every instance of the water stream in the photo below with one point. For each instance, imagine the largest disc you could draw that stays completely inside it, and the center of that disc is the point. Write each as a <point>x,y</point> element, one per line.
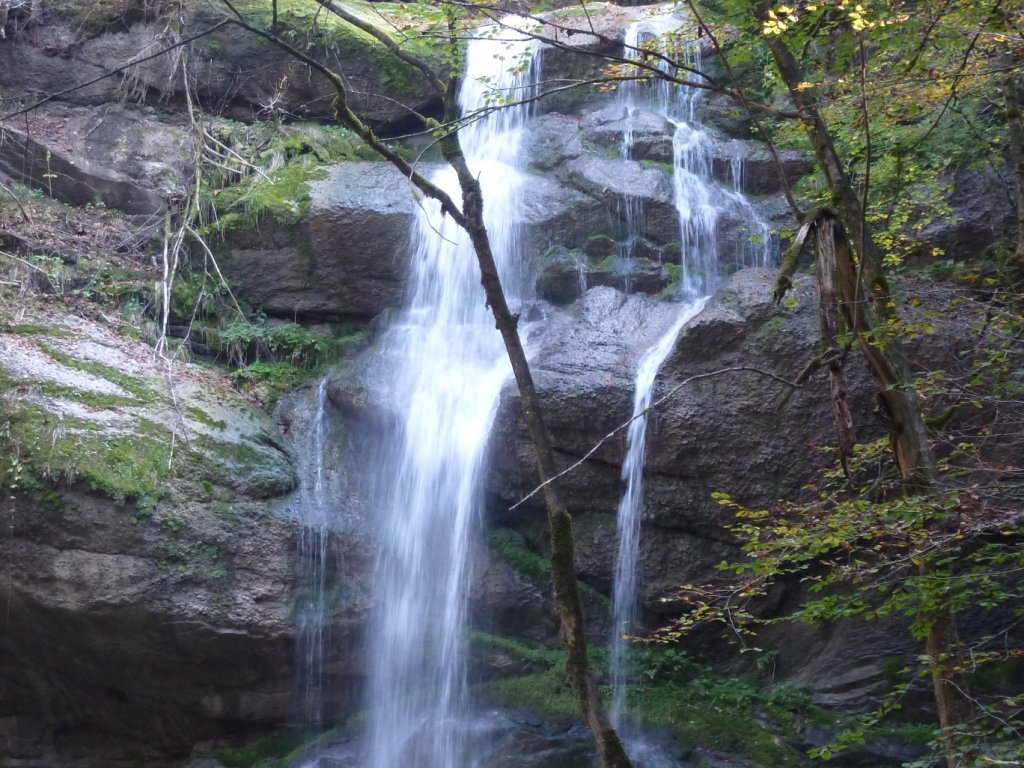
<point>314,509</point>
<point>447,371</point>
<point>700,203</point>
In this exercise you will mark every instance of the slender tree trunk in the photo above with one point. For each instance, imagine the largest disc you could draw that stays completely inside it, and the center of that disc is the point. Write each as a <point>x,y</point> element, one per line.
<point>829,305</point>
<point>870,307</point>
<point>835,264</point>
<point>563,566</point>
<point>1015,126</point>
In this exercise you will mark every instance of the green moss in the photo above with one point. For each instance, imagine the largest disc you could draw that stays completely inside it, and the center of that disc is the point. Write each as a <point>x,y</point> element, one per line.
<point>518,649</point>
<point>54,450</point>
<point>508,546</point>
<point>336,38</point>
<point>276,378</point>
<point>282,196</point>
<point>669,690</point>
<point>99,400</point>
<point>29,329</point>
<point>547,692</point>
<point>274,747</point>
<point>289,156</point>
<point>675,278</point>
<point>655,165</point>
<point>139,390</point>
<point>204,418</point>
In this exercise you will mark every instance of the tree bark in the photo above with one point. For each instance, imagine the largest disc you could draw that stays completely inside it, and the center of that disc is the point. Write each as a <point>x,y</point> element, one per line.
<point>835,264</point>
<point>870,308</point>
<point>1015,127</point>
<point>563,564</point>
<point>827,266</point>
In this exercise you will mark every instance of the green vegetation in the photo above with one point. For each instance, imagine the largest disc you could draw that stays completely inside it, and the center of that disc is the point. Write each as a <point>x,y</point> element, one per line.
<point>510,547</point>
<point>138,390</point>
<point>670,690</point>
<point>47,449</point>
<point>268,752</point>
<point>331,38</point>
<point>204,418</point>
<point>32,329</point>
<point>272,184</point>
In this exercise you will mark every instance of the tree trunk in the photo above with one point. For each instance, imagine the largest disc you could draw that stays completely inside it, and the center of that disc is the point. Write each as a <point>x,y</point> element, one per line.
<point>563,565</point>
<point>1015,126</point>
<point>951,701</point>
<point>828,271</point>
<point>835,263</point>
<point>869,310</point>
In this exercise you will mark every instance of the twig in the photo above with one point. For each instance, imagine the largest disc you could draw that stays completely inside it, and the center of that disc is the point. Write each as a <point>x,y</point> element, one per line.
<point>645,411</point>
<point>24,213</point>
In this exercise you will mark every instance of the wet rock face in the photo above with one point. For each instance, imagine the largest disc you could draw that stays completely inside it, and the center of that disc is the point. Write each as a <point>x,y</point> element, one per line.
<point>350,255</point>
<point>739,431</point>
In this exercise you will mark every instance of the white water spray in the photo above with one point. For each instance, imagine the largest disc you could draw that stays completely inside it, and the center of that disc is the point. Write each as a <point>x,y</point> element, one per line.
<point>448,371</point>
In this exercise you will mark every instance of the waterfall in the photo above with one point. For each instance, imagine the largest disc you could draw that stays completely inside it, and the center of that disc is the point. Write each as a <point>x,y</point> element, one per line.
<point>700,204</point>
<point>313,513</point>
<point>447,365</point>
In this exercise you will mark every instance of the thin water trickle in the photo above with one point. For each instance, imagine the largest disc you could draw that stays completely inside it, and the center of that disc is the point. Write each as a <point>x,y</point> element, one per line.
<point>311,611</point>
<point>448,368</point>
<point>700,204</point>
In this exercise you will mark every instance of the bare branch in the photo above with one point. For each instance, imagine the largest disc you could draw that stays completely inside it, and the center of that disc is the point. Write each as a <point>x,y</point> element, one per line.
<point>350,120</point>
<point>24,213</point>
<point>388,42</point>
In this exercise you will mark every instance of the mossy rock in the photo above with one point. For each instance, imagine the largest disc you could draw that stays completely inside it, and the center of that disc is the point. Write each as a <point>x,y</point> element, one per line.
<point>126,428</point>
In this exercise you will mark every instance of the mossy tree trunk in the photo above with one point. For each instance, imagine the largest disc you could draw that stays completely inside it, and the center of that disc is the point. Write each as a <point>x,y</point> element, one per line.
<point>1015,127</point>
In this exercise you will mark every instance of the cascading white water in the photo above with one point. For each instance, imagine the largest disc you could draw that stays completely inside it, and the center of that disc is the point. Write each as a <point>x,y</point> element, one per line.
<point>700,203</point>
<point>449,366</point>
<point>313,513</point>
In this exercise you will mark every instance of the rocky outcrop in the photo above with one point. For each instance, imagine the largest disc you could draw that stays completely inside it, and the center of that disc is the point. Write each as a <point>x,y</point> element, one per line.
<point>232,72</point>
<point>349,255</point>
<point>980,214</point>
<point>147,593</point>
<point>741,431</point>
<point>131,159</point>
